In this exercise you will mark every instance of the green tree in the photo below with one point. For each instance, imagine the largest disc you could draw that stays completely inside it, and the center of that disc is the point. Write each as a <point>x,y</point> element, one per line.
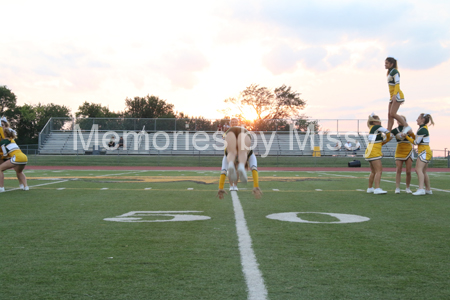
<point>281,103</point>
<point>7,101</point>
<point>148,107</point>
<point>94,110</point>
<point>29,120</point>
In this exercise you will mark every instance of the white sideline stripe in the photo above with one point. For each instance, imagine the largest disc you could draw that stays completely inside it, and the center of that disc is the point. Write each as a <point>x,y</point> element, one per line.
<point>435,189</point>
<point>103,189</point>
<point>60,189</point>
<point>190,189</point>
<point>147,188</point>
<point>276,190</point>
<point>359,190</point>
<point>253,277</point>
<point>319,190</point>
<point>31,186</point>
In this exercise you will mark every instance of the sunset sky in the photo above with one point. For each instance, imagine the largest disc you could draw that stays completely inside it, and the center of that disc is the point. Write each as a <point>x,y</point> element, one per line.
<point>195,54</point>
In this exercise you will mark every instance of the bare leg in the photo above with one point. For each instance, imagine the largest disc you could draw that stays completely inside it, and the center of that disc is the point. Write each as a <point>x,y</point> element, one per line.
<point>398,176</point>
<point>408,165</point>
<point>4,166</point>
<point>231,144</point>
<point>378,172</point>
<point>393,109</point>
<point>420,165</point>
<point>372,174</point>
<point>244,144</point>
<point>20,175</point>
<point>426,178</point>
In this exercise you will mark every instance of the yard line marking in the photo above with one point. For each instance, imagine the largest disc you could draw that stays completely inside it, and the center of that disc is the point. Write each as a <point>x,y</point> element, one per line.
<point>37,185</point>
<point>439,190</point>
<point>127,173</point>
<point>349,176</point>
<point>253,277</point>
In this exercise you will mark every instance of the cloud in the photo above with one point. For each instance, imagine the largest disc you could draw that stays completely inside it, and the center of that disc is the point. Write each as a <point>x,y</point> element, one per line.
<point>180,65</point>
<point>421,44</point>
<point>285,59</point>
<point>282,59</point>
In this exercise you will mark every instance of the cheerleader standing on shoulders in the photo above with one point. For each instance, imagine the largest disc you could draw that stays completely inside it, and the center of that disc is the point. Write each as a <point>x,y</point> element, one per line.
<point>422,139</point>
<point>17,160</point>
<point>403,154</point>
<point>396,95</point>
<point>374,155</point>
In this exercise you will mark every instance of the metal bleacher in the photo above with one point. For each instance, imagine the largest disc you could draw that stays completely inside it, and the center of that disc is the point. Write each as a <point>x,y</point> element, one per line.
<point>269,143</point>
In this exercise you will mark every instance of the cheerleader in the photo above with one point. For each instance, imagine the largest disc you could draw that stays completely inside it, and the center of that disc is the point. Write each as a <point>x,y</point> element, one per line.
<point>17,160</point>
<point>422,139</point>
<point>238,156</point>
<point>396,95</point>
<point>403,154</point>
<point>373,153</point>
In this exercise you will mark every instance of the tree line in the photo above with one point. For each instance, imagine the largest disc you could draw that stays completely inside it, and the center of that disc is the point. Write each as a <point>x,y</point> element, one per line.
<point>279,103</point>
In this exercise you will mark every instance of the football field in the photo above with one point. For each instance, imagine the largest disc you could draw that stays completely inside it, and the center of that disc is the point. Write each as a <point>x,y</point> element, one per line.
<point>138,234</point>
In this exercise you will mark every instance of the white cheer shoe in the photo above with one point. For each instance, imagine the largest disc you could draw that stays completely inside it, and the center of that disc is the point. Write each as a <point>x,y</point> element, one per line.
<point>232,172</point>
<point>379,191</point>
<point>242,173</point>
<point>419,192</point>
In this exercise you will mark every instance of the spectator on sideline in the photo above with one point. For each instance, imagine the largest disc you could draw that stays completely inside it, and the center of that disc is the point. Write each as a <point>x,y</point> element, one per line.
<point>112,143</point>
<point>348,146</point>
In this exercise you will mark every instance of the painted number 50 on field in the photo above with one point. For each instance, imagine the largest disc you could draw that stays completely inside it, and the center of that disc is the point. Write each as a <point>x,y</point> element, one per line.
<point>159,216</point>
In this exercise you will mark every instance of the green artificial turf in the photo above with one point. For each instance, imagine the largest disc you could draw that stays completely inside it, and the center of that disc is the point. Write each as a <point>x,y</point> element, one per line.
<point>55,243</point>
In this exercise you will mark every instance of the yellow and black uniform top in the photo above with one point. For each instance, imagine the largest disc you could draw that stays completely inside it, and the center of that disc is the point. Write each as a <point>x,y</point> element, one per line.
<point>375,134</point>
<point>7,146</point>
<point>422,136</point>
<point>423,141</point>
<point>396,131</point>
<point>393,80</point>
<point>404,149</point>
<point>11,150</point>
<point>373,150</point>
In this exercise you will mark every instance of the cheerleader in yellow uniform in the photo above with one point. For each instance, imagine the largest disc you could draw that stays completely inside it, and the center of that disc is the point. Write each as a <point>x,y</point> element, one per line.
<point>374,154</point>
<point>238,155</point>
<point>17,160</point>
<point>403,154</point>
<point>422,139</point>
<point>396,95</point>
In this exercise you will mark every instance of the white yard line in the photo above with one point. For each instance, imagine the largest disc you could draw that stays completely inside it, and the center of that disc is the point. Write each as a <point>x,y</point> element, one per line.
<point>435,189</point>
<point>350,176</point>
<point>253,277</point>
<point>32,186</point>
<point>127,173</point>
